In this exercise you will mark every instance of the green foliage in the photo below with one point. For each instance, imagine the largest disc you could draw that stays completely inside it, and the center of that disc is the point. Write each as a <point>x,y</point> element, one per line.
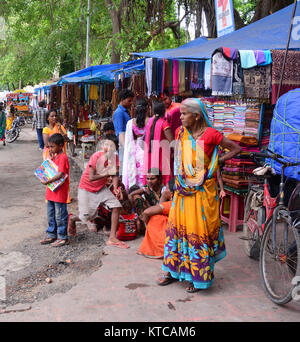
<point>246,9</point>
<point>44,36</point>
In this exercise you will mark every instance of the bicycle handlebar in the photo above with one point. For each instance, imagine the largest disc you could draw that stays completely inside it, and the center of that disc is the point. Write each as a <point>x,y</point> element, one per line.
<point>273,156</point>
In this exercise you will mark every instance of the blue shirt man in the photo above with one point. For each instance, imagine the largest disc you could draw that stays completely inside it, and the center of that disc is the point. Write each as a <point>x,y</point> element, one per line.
<point>120,118</point>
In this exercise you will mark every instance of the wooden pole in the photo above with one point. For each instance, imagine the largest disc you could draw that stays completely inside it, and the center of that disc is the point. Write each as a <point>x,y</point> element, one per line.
<point>287,49</point>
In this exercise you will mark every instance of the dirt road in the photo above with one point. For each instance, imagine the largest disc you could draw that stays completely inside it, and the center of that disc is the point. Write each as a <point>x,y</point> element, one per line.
<point>24,263</point>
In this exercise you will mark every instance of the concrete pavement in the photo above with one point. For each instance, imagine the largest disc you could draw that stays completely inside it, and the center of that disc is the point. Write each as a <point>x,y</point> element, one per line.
<point>124,290</point>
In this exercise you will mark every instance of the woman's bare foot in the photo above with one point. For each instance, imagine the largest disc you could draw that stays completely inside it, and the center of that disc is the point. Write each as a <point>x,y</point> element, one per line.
<point>106,232</point>
<point>116,243</point>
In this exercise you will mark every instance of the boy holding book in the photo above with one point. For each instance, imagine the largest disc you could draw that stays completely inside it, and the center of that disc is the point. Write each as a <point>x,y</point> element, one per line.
<point>57,200</point>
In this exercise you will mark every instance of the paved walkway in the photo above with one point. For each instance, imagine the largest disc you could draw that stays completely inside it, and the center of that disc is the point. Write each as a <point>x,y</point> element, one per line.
<point>124,290</point>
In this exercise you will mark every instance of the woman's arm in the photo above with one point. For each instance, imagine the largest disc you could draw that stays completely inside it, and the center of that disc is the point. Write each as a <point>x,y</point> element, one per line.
<point>165,196</point>
<point>169,134</point>
<point>221,185</point>
<point>233,148</point>
<point>134,193</point>
<point>154,210</point>
<point>46,139</point>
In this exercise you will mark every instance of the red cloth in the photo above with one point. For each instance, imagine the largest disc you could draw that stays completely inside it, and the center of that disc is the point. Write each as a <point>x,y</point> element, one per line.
<point>85,182</point>
<point>127,227</point>
<point>211,138</point>
<point>173,116</point>
<point>61,194</point>
<point>155,157</point>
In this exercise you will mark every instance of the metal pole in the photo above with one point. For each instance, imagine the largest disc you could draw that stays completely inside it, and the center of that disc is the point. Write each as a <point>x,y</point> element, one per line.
<point>88,36</point>
<point>287,48</point>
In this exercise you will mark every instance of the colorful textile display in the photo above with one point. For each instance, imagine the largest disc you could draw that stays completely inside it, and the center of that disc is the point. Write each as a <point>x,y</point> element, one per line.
<point>291,78</point>
<point>257,82</point>
<point>234,117</point>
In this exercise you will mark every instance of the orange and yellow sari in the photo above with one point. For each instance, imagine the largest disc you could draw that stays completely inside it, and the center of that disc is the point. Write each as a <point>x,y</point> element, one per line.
<point>48,131</point>
<point>194,237</point>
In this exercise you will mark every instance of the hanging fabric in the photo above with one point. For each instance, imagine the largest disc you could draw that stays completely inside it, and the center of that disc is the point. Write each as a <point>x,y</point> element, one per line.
<point>171,89</point>
<point>93,93</point>
<point>258,82</point>
<point>238,78</point>
<point>148,73</point>
<point>181,81</point>
<point>167,75</point>
<point>207,74</point>
<point>175,76</point>
<point>222,73</point>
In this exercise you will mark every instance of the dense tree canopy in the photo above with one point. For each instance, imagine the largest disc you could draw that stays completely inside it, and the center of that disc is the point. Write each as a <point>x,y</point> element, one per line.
<point>47,38</point>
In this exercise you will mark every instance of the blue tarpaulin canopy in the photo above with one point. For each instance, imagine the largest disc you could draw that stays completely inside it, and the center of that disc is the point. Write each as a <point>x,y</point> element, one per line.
<point>98,73</point>
<point>76,76</point>
<point>168,53</point>
<point>268,33</point>
<point>102,73</point>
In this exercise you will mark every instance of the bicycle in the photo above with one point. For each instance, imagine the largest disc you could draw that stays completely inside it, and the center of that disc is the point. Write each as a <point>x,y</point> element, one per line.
<point>274,230</point>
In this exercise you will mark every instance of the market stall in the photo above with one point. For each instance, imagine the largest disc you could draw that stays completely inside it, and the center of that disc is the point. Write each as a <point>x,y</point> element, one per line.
<point>237,76</point>
<point>87,98</point>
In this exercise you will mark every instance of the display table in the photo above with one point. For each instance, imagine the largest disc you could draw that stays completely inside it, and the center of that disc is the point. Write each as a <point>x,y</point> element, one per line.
<point>234,215</point>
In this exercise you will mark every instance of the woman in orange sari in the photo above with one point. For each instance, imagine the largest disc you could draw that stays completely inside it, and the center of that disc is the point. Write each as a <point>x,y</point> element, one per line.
<point>156,219</point>
<point>194,236</point>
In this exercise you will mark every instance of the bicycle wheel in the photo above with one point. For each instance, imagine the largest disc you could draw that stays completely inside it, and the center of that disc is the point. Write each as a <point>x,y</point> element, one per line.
<point>11,135</point>
<point>278,267</point>
<point>251,229</point>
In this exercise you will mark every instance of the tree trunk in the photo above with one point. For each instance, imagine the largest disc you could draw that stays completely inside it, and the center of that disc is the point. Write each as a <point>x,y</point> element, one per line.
<point>51,15</point>
<point>82,52</point>
<point>267,7</point>
<point>116,29</point>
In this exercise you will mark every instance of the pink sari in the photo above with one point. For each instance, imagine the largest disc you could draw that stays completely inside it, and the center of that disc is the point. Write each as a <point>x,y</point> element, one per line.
<point>160,150</point>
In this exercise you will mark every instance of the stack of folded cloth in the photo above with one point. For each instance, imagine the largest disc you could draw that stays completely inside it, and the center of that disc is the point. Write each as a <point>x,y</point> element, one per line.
<point>229,113</point>
<point>252,120</point>
<point>219,115</point>
<point>239,118</point>
<point>237,170</point>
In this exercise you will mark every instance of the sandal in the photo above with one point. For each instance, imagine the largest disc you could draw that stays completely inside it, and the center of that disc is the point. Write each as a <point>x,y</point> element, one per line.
<point>60,243</point>
<point>47,241</point>
<point>192,289</point>
<point>165,280</point>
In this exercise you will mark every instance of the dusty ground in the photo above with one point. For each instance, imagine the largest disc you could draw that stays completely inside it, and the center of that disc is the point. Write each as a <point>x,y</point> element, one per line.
<point>24,263</point>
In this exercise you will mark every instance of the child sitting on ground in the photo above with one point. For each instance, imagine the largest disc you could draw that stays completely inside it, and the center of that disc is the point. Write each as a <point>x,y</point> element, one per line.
<point>93,191</point>
<point>57,200</point>
<point>128,223</point>
<point>103,219</point>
